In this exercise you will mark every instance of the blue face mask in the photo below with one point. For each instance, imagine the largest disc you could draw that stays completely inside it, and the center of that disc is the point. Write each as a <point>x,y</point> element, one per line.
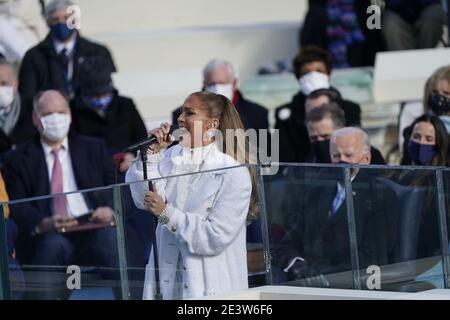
<point>421,153</point>
<point>61,32</point>
<point>98,103</point>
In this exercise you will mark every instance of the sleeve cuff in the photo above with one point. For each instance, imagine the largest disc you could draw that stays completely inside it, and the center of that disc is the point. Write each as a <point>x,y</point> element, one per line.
<point>175,218</point>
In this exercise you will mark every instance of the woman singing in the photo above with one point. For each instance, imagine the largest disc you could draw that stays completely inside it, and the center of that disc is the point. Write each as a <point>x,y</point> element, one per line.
<point>201,234</point>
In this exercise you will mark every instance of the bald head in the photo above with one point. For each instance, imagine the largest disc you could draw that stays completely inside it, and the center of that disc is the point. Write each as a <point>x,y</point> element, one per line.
<point>50,101</point>
<point>350,145</point>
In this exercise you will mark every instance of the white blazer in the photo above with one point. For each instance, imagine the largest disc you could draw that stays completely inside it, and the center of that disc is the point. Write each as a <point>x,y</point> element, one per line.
<point>209,233</point>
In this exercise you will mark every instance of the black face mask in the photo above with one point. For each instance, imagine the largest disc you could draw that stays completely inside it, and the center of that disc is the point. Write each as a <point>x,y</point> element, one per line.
<point>439,104</point>
<point>321,150</point>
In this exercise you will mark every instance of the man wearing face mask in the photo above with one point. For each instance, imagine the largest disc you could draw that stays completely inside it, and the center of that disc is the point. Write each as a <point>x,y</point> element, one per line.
<point>16,126</point>
<point>54,63</point>
<point>56,162</point>
<point>318,243</point>
<point>99,111</point>
<point>322,122</point>
<point>312,68</point>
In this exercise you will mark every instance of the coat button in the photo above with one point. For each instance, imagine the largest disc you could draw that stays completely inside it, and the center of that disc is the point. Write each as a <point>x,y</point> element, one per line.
<point>173,229</point>
<point>186,286</point>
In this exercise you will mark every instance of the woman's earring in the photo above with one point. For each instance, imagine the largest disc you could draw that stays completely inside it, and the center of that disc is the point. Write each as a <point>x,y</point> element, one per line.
<point>209,134</point>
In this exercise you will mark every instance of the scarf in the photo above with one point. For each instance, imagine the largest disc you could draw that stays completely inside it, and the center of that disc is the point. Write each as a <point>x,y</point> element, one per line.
<point>342,30</point>
<point>9,118</point>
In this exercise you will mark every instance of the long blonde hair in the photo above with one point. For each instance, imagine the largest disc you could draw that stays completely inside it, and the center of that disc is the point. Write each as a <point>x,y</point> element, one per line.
<point>221,108</point>
<point>443,73</point>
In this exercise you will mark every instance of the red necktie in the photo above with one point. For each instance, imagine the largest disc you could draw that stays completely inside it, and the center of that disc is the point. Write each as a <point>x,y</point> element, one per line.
<point>59,202</point>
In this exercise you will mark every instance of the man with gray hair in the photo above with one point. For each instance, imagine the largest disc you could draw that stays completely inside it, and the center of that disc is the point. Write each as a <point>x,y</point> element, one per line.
<point>220,76</point>
<point>54,62</point>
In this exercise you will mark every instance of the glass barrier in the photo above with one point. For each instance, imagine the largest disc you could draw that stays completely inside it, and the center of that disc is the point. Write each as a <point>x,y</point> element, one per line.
<point>386,236</point>
<point>399,222</point>
<point>307,227</point>
<point>332,226</point>
<point>72,255</point>
<point>114,260</point>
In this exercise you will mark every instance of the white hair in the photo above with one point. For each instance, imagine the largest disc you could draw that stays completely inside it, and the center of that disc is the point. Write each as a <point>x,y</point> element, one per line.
<point>216,63</point>
<point>56,5</point>
<point>350,131</point>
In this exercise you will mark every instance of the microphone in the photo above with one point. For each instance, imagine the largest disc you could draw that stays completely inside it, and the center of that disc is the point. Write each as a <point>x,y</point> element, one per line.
<point>147,141</point>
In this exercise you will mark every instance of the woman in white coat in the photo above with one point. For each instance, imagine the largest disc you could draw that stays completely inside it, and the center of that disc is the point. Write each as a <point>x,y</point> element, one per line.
<point>201,234</point>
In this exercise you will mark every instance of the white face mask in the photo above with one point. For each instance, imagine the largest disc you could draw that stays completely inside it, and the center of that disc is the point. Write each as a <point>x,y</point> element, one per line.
<point>314,81</point>
<point>56,126</point>
<point>6,95</point>
<point>223,89</point>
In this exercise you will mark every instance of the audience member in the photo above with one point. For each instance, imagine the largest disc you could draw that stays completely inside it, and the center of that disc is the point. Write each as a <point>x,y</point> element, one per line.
<point>16,125</point>
<point>54,63</point>
<point>426,144</point>
<point>52,163</point>
<point>340,27</point>
<point>321,123</point>
<point>352,112</point>
<point>16,274</point>
<point>99,111</point>
<point>437,95</point>
<point>312,68</point>
<point>412,24</point>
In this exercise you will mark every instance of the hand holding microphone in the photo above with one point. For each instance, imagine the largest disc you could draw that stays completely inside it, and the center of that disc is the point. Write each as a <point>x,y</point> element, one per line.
<point>158,139</point>
<point>163,137</point>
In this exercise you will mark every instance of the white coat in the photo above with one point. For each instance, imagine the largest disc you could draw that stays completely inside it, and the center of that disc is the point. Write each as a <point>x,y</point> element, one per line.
<point>209,233</point>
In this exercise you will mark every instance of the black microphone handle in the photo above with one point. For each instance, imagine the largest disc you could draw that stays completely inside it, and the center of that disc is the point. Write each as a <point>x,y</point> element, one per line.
<point>147,141</point>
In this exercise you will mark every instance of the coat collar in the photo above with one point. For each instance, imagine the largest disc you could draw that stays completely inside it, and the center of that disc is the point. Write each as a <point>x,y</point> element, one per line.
<point>206,183</point>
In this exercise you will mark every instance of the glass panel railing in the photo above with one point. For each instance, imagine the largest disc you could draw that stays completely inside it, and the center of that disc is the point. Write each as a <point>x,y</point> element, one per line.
<point>320,226</point>
<point>397,213</point>
<point>444,224</point>
<point>307,227</point>
<point>385,236</point>
<point>71,255</point>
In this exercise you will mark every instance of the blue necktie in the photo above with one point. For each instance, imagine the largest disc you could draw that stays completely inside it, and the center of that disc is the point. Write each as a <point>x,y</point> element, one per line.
<point>65,62</point>
<point>337,202</point>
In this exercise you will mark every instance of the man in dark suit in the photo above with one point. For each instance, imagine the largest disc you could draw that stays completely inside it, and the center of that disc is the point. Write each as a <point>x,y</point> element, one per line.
<point>318,242</point>
<point>312,68</point>
<point>51,163</point>
<point>54,63</point>
<point>219,76</point>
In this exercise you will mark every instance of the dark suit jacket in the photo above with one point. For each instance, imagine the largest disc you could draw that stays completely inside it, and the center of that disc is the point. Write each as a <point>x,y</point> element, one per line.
<point>26,175</point>
<point>42,69</point>
<point>323,241</point>
<point>120,125</point>
<point>294,140</point>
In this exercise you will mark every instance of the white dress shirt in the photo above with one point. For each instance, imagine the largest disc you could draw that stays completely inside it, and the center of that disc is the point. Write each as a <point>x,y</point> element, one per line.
<point>75,202</point>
